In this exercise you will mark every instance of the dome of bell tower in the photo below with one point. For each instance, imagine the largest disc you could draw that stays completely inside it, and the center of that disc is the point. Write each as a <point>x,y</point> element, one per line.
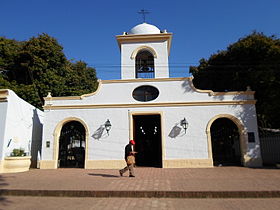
<point>144,28</point>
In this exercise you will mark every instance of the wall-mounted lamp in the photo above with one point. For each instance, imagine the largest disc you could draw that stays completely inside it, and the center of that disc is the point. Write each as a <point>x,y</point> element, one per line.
<point>184,123</point>
<point>108,126</point>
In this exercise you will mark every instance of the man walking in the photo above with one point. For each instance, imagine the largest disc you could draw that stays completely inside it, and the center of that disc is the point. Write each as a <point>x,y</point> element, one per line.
<point>129,158</point>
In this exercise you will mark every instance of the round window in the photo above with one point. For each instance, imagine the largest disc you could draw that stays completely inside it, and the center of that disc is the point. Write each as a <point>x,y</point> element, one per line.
<point>145,93</point>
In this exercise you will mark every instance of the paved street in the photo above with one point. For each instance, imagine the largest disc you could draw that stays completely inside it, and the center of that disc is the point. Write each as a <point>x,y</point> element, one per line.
<point>185,179</point>
<point>47,203</point>
<point>223,188</point>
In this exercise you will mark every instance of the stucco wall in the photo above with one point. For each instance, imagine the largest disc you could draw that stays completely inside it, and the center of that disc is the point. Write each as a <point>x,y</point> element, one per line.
<point>160,62</point>
<point>193,144</point>
<point>170,90</point>
<point>23,126</point>
<point>177,100</point>
<point>3,116</point>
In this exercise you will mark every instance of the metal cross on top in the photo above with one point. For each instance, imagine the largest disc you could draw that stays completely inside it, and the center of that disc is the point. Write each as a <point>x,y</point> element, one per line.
<point>143,12</point>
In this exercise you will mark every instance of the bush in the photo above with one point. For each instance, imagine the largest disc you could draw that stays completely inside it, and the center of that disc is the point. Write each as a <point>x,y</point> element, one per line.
<point>18,153</point>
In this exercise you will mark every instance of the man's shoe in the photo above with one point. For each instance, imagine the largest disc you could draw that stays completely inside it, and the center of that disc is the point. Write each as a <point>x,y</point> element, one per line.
<point>131,176</point>
<point>120,173</point>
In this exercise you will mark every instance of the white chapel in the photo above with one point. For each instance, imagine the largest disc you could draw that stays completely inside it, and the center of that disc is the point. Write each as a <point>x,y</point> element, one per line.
<point>173,124</point>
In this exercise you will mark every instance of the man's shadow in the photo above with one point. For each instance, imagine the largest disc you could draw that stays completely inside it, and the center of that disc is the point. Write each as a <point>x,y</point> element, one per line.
<point>104,175</point>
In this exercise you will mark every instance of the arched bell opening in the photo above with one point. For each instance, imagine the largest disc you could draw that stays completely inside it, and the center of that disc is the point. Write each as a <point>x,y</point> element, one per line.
<point>225,142</point>
<point>72,145</point>
<point>144,64</point>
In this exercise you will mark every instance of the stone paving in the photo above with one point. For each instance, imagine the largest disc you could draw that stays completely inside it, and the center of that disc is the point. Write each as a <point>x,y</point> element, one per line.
<point>66,203</point>
<point>147,179</point>
<point>156,180</point>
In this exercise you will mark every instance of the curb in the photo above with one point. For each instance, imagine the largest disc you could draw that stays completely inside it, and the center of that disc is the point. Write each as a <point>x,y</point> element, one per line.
<point>142,194</point>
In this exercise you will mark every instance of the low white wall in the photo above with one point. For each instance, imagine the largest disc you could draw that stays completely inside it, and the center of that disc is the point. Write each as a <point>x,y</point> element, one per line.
<point>23,127</point>
<point>3,114</point>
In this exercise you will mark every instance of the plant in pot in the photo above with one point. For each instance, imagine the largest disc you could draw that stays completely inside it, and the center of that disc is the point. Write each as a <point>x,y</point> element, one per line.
<point>18,153</point>
<point>18,161</point>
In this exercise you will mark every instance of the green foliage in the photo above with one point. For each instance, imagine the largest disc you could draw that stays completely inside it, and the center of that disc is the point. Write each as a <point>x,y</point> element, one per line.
<point>85,77</point>
<point>18,153</point>
<point>35,67</point>
<point>252,61</point>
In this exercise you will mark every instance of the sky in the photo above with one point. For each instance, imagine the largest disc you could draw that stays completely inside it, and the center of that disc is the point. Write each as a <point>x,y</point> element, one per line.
<point>87,29</point>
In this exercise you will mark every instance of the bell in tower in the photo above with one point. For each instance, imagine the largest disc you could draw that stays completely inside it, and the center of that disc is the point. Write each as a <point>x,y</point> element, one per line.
<point>144,65</point>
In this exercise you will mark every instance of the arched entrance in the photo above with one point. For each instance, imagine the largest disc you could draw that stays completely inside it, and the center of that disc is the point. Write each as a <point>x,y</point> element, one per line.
<point>225,142</point>
<point>72,145</point>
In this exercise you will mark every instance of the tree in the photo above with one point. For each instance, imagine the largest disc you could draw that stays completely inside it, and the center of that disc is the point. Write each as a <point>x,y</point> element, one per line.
<point>80,75</point>
<point>252,61</point>
<point>35,67</point>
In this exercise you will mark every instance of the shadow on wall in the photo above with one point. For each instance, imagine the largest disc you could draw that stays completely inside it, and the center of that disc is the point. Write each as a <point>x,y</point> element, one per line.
<point>176,131</point>
<point>187,86</point>
<point>245,113</point>
<point>36,144</point>
<point>99,133</point>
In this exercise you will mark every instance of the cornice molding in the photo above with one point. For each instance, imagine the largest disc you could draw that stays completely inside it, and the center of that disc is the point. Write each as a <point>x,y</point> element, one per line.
<point>166,104</point>
<point>234,93</point>
<point>212,93</point>
<point>75,97</point>
<point>145,80</point>
<point>145,38</point>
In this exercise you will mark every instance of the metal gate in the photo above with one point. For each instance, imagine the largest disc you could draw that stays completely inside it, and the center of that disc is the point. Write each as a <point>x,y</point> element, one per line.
<point>270,148</point>
<point>225,143</point>
<point>72,145</point>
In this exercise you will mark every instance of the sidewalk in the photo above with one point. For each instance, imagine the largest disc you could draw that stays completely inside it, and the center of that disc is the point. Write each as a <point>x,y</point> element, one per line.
<point>220,188</point>
<point>218,182</point>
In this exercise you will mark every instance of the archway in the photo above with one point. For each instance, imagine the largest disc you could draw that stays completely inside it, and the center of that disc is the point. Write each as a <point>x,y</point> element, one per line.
<point>72,145</point>
<point>144,64</point>
<point>225,142</point>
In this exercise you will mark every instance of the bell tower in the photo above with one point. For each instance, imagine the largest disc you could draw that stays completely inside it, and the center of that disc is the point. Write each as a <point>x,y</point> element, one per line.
<point>144,52</point>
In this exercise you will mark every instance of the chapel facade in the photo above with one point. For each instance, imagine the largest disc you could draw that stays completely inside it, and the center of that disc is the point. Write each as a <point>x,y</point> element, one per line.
<point>173,124</point>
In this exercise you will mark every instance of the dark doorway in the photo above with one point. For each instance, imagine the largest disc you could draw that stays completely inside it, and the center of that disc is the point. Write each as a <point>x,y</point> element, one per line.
<point>72,145</point>
<point>147,136</point>
<point>225,143</point>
